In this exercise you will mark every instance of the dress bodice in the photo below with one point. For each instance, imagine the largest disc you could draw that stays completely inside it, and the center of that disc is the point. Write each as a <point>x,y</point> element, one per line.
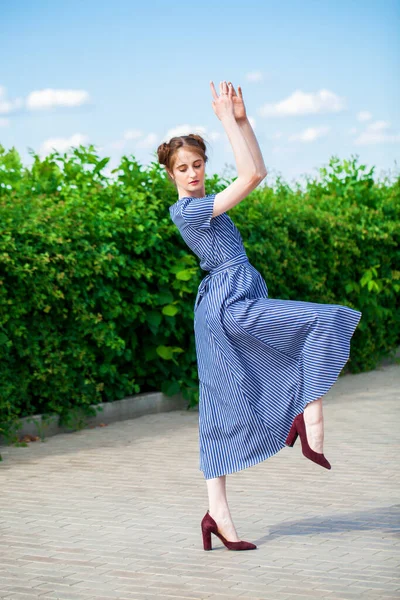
<point>213,239</point>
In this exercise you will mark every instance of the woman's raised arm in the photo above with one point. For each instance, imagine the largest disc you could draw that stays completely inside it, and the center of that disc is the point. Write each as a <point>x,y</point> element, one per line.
<point>249,176</point>
<point>245,125</point>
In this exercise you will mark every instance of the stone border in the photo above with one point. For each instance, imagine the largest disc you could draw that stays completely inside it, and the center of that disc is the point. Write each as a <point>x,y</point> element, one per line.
<point>130,407</point>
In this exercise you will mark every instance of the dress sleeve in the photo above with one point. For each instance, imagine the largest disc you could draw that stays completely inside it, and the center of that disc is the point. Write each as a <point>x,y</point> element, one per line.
<point>198,212</point>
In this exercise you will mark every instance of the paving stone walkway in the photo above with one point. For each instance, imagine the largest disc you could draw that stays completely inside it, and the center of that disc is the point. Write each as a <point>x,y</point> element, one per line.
<point>114,512</point>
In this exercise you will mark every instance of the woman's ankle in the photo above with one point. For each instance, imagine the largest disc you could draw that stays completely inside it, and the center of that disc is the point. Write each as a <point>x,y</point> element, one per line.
<point>314,419</point>
<point>313,414</point>
<point>221,513</point>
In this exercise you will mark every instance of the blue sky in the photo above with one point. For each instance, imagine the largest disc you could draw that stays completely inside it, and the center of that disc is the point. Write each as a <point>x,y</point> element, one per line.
<point>318,78</point>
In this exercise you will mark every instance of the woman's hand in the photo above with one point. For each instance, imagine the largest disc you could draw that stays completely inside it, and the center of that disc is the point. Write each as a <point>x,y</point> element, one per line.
<point>239,109</point>
<point>223,104</point>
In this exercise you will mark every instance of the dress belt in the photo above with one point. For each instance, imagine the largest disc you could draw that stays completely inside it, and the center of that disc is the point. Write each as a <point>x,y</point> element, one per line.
<point>231,262</point>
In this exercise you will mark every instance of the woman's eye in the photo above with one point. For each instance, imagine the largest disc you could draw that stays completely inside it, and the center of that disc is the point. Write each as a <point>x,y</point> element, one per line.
<point>195,166</point>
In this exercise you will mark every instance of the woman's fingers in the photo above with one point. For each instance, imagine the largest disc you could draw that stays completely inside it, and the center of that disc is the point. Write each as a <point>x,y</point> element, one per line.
<point>213,90</point>
<point>224,88</point>
<point>223,104</point>
<point>233,89</point>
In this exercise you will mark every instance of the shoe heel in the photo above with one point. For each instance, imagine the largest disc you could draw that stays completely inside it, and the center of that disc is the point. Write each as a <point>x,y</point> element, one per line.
<point>206,539</point>
<point>293,435</point>
<point>209,526</point>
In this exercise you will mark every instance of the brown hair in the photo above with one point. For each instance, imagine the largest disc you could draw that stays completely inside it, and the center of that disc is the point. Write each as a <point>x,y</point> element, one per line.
<point>167,150</point>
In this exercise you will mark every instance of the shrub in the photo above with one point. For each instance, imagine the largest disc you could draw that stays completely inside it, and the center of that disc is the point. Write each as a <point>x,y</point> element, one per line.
<point>97,286</point>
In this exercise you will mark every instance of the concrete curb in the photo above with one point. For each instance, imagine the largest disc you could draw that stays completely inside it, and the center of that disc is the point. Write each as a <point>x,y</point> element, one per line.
<point>119,410</point>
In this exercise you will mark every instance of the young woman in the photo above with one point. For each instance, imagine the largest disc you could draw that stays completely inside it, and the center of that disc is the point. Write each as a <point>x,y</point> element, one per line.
<point>263,364</point>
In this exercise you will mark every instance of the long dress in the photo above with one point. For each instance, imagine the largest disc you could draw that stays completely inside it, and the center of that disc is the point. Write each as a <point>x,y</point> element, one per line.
<point>260,360</point>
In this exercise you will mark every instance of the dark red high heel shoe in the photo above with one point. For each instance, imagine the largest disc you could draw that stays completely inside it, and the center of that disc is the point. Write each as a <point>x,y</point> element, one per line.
<point>209,526</point>
<point>298,428</point>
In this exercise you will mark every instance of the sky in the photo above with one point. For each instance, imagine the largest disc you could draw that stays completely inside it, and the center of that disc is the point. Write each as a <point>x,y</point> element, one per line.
<point>319,78</point>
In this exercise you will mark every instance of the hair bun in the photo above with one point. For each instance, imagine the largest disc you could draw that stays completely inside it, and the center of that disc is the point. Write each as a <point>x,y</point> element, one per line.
<point>163,151</point>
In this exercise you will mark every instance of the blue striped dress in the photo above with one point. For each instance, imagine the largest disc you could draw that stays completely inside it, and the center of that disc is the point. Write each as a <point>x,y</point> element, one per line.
<point>260,360</point>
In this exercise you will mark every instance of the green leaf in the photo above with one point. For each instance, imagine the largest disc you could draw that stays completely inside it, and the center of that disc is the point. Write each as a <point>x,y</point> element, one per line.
<point>167,352</point>
<point>100,165</point>
<point>154,318</point>
<point>170,310</point>
<point>164,297</point>
<point>185,275</point>
<point>170,388</point>
<point>366,278</point>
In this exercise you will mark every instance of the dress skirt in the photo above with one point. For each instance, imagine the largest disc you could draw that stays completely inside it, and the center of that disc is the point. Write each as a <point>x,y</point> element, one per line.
<point>260,362</point>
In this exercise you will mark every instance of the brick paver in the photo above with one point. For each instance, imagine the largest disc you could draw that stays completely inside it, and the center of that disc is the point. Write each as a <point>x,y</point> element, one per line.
<point>114,512</point>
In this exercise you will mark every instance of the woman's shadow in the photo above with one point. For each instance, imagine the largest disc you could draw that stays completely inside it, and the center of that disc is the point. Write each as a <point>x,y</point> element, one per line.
<point>385,519</point>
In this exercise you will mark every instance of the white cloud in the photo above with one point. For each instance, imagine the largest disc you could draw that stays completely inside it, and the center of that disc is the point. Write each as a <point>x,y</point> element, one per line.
<point>209,136</point>
<point>49,98</point>
<point>184,130</point>
<point>8,106</point>
<point>301,103</point>
<point>43,99</point>
<point>276,136</point>
<point>214,136</point>
<point>353,130</point>
<point>377,133</point>
<point>364,115</point>
<point>310,134</point>
<point>128,135</point>
<point>149,141</point>
<point>254,76</point>
<point>132,134</point>
<point>378,126</point>
<point>118,144</point>
<point>283,150</point>
<point>62,144</point>
<point>4,122</point>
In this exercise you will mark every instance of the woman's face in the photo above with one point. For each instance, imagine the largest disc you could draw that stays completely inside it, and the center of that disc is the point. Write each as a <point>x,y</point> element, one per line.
<point>189,167</point>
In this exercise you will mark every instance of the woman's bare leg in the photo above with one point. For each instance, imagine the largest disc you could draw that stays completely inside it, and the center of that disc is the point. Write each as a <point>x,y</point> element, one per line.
<point>216,487</point>
<point>219,509</point>
<point>314,421</point>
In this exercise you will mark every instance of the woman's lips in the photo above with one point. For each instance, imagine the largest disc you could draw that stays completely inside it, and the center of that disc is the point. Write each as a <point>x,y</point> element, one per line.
<point>194,181</point>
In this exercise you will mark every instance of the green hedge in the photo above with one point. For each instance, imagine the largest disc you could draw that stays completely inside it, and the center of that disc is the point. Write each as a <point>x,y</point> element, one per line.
<point>97,286</point>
